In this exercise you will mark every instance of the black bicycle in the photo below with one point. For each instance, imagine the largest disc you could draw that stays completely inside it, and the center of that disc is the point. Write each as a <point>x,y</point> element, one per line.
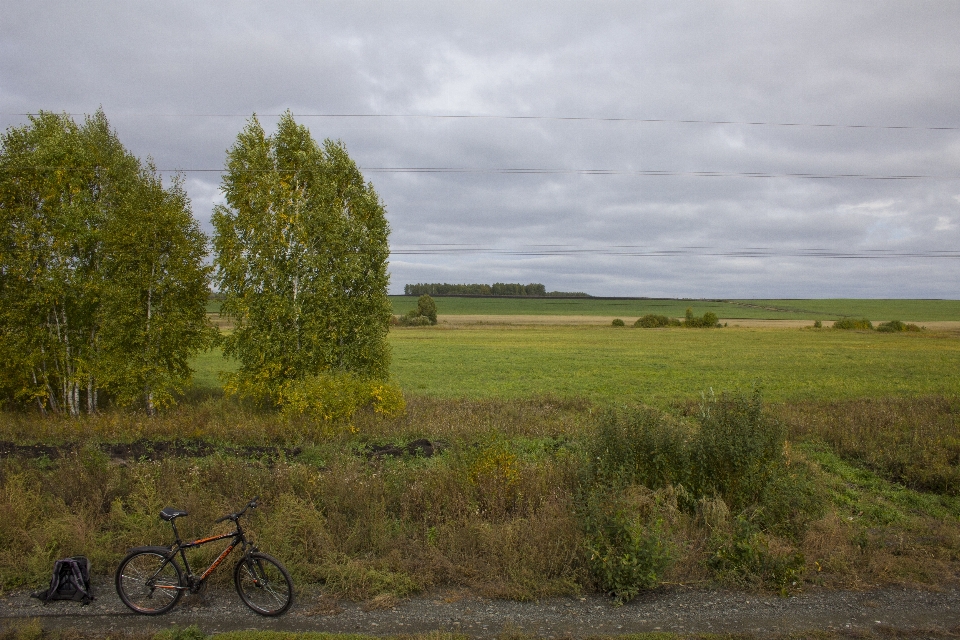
<point>150,581</point>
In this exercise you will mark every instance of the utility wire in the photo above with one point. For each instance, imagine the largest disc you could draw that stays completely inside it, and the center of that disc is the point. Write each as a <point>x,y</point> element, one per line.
<point>548,118</point>
<point>749,252</point>
<point>582,172</point>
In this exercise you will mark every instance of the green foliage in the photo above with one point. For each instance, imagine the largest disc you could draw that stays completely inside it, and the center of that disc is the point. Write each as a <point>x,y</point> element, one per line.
<point>734,459</point>
<point>427,308</point>
<point>743,555</point>
<point>850,324</point>
<point>738,451</point>
<point>102,283</point>
<point>896,326</point>
<point>628,539</point>
<point>412,319</point>
<point>334,398</point>
<point>423,316</point>
<point>301,259</point>
<point>617,322</point>
<point>708,320</point>
<point>817,324</point>
<point>655,321</point>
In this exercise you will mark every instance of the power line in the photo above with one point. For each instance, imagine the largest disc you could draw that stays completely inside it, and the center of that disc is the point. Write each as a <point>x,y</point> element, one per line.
<point>581,172</point>
<point>753,123</point>
<point>643,252</point>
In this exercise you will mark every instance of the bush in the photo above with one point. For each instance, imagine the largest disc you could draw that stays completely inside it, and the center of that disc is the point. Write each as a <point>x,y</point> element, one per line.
<point>733,460</point>
<point>628,538</point>
<point>895,326</point>
<point>817,324</point>
<point>617,322</point>
<point>335,397</point>
<point>427,308</point>
<point>411,319</point>
<point>708,320</point>
<point>743,555</point>
<point>653,321</point>
<point>424,315</point>
<point>738,452</point>
<point>849,323</point>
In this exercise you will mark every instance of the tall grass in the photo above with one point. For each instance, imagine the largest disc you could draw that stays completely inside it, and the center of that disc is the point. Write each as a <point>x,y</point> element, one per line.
<point>915,441</point>
<point>522,499</point>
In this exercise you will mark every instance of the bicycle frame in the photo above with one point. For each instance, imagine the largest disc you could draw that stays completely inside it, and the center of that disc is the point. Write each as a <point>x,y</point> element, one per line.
<point>194,582</point>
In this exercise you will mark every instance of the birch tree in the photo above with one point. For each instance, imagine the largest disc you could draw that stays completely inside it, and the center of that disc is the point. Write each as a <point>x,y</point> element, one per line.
<point>301,260</point>
<point>69,194</point>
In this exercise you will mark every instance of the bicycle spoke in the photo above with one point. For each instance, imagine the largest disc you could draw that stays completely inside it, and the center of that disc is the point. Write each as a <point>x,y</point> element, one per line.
<point>263,585</point>
<point>148,584</point>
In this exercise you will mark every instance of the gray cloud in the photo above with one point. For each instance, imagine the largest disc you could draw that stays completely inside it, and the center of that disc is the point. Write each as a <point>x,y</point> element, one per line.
<point>178,80</point>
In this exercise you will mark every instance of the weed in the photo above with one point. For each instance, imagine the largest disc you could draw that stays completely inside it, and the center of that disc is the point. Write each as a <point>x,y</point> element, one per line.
<point>915,441</point>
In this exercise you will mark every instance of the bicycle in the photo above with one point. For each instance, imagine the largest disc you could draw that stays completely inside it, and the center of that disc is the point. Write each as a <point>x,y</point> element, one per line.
<point>150,581</point>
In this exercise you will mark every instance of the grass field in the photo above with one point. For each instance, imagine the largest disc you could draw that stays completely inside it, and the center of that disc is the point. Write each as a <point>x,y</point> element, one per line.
<point>826,310</point>
<point>516,415</point>
<point>656,366</point>
<point>659,366</point>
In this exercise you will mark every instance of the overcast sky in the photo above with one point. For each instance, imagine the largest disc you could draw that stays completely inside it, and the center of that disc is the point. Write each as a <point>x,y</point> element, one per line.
<point>560,88</point>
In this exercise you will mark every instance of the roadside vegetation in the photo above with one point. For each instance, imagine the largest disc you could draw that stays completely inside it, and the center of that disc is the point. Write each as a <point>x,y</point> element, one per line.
<point>510,498</point>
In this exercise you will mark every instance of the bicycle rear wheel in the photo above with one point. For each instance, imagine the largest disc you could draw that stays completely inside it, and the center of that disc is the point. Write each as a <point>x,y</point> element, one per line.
<point>148,583</point>
<point>263,584</point>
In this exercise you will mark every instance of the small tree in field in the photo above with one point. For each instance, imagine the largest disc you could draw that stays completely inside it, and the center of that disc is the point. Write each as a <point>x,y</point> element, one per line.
<point>427,308</point>
<point>301,260</point>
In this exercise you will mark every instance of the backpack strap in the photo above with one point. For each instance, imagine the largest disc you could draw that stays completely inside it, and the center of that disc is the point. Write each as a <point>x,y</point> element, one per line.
<point>46,595</point>
<point>78,580</point>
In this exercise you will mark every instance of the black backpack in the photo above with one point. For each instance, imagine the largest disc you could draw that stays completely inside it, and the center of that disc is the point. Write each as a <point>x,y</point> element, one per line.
<point>71,581</point>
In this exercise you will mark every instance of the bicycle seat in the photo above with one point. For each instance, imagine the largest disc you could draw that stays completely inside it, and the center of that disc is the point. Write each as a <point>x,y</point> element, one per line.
<point>169,513</point>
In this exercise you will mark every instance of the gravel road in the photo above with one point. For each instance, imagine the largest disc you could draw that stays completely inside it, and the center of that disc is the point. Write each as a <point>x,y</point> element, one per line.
<point>886,611</point>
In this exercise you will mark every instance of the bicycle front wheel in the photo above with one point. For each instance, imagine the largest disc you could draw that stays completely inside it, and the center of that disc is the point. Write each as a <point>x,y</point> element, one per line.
<point>263,584</point>
<point>148,582</point>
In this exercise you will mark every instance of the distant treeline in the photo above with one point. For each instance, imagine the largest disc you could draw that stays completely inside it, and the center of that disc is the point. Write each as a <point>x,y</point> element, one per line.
<point>496,289</point>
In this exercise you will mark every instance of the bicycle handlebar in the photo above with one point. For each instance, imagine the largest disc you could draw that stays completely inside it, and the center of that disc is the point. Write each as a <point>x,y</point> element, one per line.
<point>253,504</point>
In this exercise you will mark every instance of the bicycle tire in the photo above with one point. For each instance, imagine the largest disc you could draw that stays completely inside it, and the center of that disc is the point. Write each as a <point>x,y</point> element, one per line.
<point>148,586</point>
<point>263,584</point>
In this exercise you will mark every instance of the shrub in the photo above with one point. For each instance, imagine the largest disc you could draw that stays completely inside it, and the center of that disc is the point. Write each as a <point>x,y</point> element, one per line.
<point>734,459</point>
<point>411,319</point>
<point>334,398</point>
<point>817,324</point>
<point>895,326</point>
<point>427,308</point>
<point>849,323</point>
<point>708,320</point>
<point>654,321</point>
<point>738,452</point>
<point>628,538</point>
<point>424,315</point>
<point>744,555</point>
<point>617,322</point>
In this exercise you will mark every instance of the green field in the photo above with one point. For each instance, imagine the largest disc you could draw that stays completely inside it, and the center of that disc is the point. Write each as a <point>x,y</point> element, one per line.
<point>656,366</point>
<point>661,365</point>
<point>827,310</point>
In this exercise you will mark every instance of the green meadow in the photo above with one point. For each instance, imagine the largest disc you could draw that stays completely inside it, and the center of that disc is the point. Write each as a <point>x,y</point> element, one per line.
<point>659,366</point>
<point>662,365</point>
